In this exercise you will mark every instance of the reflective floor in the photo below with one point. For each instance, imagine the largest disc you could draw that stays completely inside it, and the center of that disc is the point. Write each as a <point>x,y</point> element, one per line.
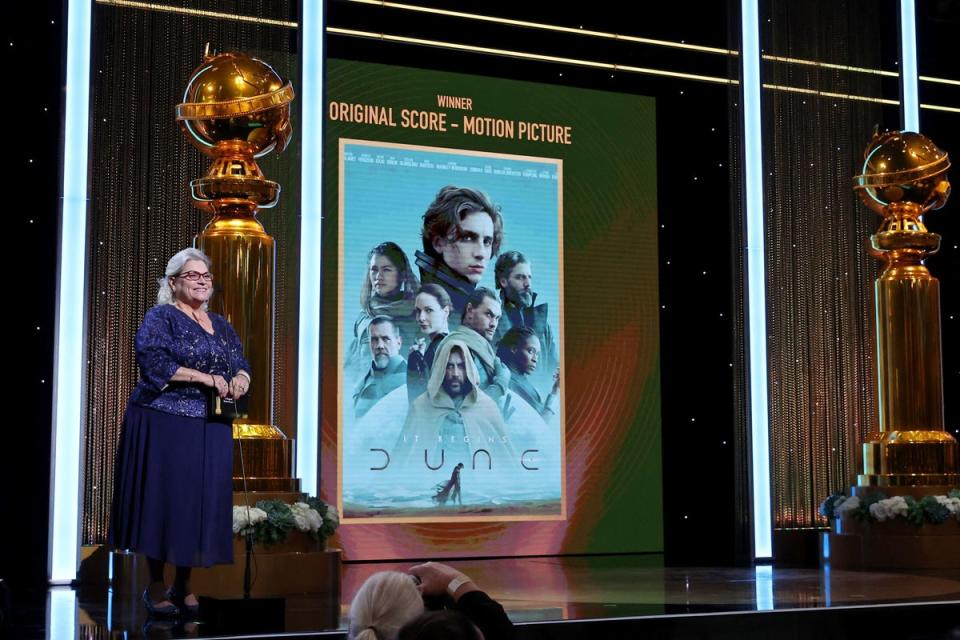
<point>532,589</point>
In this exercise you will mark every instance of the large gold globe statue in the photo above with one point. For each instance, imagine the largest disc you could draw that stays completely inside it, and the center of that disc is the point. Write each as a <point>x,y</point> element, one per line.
<point>905,175</point>
<point>903,167</point>
<point>235,108</point>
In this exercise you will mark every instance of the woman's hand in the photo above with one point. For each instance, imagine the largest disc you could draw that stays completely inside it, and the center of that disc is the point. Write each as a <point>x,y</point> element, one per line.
<point>239,386</point>
<point>218,383</point>
<point>435,577</point>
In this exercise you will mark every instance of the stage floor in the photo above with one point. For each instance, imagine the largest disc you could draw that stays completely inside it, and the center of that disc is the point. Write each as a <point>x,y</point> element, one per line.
<point>536,590</point>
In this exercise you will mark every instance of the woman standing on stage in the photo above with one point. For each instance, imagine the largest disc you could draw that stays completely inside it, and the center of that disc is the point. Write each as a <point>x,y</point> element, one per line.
<point>173,498</point>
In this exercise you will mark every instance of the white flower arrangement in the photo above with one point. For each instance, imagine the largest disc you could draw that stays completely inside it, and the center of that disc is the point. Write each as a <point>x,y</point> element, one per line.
<point>889,508</point>
<point>952,504</point>
<point>244,519</point>
<point>307,519</point>
<point>845,505</point>
<point>270,521</point>
<point>877,507</point>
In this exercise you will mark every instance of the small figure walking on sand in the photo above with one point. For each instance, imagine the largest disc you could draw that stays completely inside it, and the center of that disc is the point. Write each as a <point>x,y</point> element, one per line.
<point>451,489</point>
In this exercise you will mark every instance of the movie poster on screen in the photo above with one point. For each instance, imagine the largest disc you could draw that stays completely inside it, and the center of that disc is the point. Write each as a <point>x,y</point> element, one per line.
<point>450,406</point>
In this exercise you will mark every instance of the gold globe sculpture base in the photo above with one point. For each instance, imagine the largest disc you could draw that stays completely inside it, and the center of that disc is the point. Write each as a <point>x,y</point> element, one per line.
<point>242,251</point>
<point>236,109</point>
<point>909,459</point>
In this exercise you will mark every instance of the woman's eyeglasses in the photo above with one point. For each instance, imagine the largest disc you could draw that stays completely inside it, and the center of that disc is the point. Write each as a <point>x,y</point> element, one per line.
<point>193,276</point>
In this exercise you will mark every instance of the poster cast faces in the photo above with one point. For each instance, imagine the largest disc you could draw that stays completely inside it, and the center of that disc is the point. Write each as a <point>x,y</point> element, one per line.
<point>516,284</point>
<point>384,277</point>
<point>514,277</point>
<point>526,354</point>
<point>387,369</point>
<point>467,250</point>
<point>478,327</point>
<point>485,317</point>
<point>432,309</point>
<point>456,385</point>
<point>462,231</point>
<point>432,313</point>
<point>387,290</point>
<point>385,342</point>
<point>519,349</point>
<point>455,381</point>
<point>454,420</point>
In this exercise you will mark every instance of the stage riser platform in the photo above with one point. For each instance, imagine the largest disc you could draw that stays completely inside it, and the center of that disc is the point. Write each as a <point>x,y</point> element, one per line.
<point>892,621</point>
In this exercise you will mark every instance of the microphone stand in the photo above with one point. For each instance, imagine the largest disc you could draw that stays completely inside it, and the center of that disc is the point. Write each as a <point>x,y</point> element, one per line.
<point>243,615</point>
<point>246,568</point>
<point>248,555</point>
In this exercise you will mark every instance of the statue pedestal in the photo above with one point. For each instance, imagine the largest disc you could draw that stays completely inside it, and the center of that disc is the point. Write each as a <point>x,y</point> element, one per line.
<point>894,544</point>
<point>297,566</point>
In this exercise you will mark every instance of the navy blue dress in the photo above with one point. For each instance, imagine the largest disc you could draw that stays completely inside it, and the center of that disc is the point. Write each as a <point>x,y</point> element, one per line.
<point>173,489</point>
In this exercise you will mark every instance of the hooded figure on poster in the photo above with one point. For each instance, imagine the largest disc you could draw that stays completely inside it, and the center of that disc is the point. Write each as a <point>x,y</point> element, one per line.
<point>454,421</point>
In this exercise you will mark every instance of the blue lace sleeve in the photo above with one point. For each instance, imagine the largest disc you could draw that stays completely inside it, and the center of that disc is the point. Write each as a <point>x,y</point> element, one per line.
<point>154,345</point>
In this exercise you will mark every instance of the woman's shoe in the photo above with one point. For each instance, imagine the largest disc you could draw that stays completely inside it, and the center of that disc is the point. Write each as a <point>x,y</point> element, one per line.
<point>166,611</point>
<point>188,610</point>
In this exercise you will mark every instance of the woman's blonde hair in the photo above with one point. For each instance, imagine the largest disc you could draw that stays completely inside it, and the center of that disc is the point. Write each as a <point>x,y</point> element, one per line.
<point>385,602</point>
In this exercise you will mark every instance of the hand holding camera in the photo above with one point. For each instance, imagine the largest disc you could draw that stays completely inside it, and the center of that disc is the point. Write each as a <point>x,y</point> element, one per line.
<point>438,579</point>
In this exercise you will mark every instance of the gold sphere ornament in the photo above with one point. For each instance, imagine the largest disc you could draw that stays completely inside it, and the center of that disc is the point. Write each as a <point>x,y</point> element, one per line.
<point>903,167</point>
<point>235,108</point>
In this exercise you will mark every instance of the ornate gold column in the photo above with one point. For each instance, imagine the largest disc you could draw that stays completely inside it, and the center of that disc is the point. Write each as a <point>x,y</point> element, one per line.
<point>904,176</point>
<point>236,109</point>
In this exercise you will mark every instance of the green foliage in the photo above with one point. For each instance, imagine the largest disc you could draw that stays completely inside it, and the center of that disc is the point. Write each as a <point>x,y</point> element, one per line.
<point>278,524</point>
<point>862,513</point>
<point>915,513</point>
<point>932,510</point>
<point>826,507</point>
<point>330,519</point>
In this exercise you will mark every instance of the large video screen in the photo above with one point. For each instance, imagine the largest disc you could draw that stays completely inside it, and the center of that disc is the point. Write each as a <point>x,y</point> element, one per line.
<point>491,373</point>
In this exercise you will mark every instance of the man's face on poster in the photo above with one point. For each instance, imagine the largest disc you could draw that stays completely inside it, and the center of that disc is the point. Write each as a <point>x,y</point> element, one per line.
<point>518,285</point>
<point>455,376</point>
<point>384,344</point>
<point>468,251</point>
<point>484,318</point>
<point>527,354</point>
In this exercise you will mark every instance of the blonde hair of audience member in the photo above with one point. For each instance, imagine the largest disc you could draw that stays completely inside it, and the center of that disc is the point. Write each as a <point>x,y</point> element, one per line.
<point>385,602</point>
